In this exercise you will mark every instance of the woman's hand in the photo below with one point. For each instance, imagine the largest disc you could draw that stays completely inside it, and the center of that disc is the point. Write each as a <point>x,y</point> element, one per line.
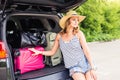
<point>93,74</point>
<point>36,52</point>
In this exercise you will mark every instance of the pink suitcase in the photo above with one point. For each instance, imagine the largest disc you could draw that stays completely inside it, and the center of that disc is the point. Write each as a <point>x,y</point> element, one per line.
<point>26,62</point>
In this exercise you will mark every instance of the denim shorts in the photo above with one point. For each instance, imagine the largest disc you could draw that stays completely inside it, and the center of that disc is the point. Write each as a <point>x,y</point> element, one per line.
<point>79,69</point>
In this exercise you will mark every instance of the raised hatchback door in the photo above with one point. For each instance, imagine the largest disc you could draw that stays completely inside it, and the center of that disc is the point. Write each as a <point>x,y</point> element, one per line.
<point>57,5</point>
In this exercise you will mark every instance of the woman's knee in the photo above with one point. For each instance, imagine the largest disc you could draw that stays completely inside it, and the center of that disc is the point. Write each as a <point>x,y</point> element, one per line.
<point>78,76</point>
<point>91,75</point>
<point>88,76</point>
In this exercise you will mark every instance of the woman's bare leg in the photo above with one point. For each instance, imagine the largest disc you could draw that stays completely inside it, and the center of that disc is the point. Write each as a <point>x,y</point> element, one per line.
<point>78,76</point>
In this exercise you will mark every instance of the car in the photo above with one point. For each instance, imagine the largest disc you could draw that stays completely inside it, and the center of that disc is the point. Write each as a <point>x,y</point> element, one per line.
<point>21,15</point>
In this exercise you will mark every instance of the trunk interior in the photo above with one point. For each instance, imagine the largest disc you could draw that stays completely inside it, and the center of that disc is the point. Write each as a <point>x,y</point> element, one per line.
<point>27,23</point>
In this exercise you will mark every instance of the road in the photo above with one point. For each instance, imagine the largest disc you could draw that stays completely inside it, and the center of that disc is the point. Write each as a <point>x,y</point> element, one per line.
<point>106,56</point>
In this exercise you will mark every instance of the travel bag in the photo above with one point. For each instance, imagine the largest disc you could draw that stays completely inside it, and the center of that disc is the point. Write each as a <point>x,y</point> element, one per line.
<point>24,61</point>
<point>33,39</point>
<point>57,58</point>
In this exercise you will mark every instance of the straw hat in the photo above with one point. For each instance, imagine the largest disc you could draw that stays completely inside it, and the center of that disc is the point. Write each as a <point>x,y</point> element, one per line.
<point>67,16</point>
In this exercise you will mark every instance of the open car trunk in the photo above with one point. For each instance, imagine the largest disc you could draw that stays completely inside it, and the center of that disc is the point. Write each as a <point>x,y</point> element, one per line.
<point>28,15</point>
<point>25,22</point>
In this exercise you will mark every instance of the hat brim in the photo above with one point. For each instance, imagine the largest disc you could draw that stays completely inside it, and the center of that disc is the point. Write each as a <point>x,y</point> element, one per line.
<point>65,18</point>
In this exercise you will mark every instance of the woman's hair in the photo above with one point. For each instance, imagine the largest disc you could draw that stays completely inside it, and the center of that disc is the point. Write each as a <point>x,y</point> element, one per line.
<point>67,23</point>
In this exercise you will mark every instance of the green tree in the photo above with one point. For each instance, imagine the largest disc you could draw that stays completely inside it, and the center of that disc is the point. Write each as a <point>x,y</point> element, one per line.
<point>102,20</point>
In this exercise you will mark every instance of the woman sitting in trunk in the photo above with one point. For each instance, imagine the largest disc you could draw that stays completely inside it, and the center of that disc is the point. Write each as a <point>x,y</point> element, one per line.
<point>74,48</point>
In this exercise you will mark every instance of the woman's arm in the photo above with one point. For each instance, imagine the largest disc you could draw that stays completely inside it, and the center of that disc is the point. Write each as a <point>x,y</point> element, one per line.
<point>50,52</point>
<point>85,48</point>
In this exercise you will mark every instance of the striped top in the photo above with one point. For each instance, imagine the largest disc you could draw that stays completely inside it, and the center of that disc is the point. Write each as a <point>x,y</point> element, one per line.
<point>72,51</point>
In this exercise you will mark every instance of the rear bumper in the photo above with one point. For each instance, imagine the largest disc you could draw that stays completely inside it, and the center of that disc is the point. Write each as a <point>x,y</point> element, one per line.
<point>63,75</point>
<point>58,72</point>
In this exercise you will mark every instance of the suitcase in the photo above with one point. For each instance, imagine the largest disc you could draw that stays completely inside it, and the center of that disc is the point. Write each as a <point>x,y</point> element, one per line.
<point>55,59</point>
<point>24,61</point>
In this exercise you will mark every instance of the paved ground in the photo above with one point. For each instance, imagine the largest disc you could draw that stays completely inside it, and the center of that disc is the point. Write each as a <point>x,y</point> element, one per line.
<point>106,56</point>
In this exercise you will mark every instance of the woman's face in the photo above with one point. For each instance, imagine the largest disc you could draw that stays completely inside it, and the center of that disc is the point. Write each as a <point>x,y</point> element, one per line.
<point>74,21</point>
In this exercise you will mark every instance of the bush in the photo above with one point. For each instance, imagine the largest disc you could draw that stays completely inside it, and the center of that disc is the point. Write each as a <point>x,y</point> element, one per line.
<point>102,20</point>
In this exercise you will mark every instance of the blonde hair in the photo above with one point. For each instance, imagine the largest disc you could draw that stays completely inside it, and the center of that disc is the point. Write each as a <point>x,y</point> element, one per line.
<point>67,23</point>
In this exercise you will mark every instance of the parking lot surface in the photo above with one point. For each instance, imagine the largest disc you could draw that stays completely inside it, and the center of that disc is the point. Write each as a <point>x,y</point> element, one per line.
<point>106,56</point>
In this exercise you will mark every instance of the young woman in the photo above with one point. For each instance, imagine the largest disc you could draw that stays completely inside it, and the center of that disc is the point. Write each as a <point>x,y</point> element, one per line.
<point>74,48</point>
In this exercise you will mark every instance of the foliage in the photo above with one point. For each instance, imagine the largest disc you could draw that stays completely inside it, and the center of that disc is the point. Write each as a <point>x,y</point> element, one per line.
<point>102,21</point>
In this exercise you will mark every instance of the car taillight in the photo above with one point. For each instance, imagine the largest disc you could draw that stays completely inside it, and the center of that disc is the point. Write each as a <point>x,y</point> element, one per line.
<point>2,51</point>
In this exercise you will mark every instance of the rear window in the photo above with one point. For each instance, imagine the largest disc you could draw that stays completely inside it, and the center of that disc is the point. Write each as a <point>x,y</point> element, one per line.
<point>42,24</point>
<point>31,23</point>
